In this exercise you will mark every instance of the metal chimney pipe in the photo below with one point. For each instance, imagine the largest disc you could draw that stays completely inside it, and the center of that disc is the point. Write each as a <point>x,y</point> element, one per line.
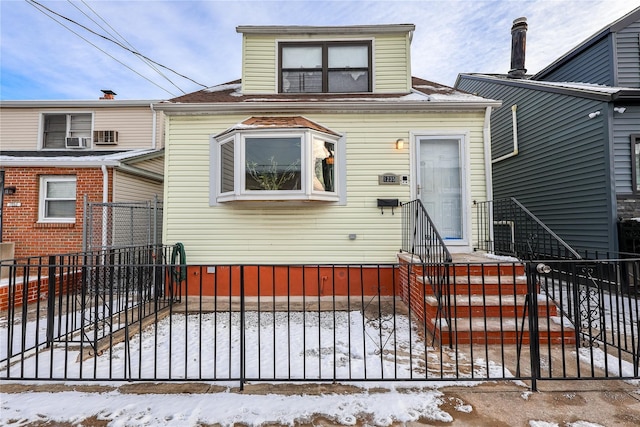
<point>518,48</point>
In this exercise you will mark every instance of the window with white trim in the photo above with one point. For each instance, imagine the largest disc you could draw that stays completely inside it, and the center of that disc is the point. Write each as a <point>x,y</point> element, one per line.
<point>57,198</point>
<point>325,67</point>
<point>277,165</point>
<point>61,131</point>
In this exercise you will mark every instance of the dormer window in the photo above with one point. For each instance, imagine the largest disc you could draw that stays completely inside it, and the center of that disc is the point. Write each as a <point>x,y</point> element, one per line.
<point>325,67</point>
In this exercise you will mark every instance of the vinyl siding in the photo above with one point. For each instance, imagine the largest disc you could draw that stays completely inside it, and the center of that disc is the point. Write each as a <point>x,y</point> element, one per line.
<point>391,62</point>
<point>259,64</point>
<point>562,171</point>
<point>153,165</point>
<point>308,232</point>
<point>131,188</point>
<point>628,55</point>
<point>594,65</point>
<point>20,127</point>
<point>624,125</point>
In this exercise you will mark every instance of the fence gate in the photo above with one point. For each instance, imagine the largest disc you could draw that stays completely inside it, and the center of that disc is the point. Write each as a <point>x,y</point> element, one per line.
<point>120,224</point>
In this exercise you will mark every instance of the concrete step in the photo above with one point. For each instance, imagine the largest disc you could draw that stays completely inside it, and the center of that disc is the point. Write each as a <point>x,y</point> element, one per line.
<point>488,306</point>
<point>491,330</point>
<point>487,285</point>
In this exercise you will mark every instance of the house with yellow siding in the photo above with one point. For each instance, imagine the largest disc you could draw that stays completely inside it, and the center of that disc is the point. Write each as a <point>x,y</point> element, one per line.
<point>310,156</point>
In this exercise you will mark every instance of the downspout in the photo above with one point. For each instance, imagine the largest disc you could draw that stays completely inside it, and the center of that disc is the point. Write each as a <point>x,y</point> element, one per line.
<point>154,121</point>
<point>514,120</point>
<point>486,133</point>
<point>105,200</point>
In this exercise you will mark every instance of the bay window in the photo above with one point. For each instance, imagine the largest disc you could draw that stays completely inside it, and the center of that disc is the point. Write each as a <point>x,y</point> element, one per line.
<point>283,164</point>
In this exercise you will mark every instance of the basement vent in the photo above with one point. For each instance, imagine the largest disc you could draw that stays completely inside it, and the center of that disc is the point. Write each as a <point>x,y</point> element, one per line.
<point>105,137</point>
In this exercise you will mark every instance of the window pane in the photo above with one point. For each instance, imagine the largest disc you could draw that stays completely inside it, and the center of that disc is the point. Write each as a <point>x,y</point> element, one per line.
<point>80,125</point>
<point>273,164</point>
<point>60,209</point>
<point>301,82</point>
<point>55,130</point>
<point>323,161</point>
<point>348,57</point>
<point>61,190</point>
<point>302,57</point>
<point>348,81</point>
<point>227,166</point>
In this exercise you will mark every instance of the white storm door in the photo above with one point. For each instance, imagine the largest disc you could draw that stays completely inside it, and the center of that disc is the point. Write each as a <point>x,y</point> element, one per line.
<point>441,172</point>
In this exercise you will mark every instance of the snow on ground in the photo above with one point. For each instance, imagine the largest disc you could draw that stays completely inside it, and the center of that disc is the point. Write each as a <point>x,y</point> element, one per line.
<point>227,409</point>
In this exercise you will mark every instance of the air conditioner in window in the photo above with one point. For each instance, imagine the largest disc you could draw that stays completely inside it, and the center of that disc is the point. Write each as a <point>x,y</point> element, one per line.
<point>77,142</point>
<point>109,137</point>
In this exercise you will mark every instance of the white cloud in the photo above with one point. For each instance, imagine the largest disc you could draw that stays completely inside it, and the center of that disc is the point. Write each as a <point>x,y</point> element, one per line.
<point>42,60</point>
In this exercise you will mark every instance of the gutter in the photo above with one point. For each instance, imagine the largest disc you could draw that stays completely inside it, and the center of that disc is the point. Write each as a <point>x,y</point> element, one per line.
<point>154,121</point>
<point>488,170</point>
<point>373,105</point>
<point>514,121</point>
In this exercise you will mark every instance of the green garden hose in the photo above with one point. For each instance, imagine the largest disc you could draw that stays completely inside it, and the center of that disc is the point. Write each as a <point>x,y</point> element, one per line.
<point>179,270</point>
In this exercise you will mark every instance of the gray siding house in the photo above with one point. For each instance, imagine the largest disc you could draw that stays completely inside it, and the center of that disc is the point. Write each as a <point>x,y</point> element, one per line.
<point>566,141</point>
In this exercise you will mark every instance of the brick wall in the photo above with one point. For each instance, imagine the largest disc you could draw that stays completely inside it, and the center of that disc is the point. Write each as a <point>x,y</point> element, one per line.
<point>20,211</point>
<point>15,294</point>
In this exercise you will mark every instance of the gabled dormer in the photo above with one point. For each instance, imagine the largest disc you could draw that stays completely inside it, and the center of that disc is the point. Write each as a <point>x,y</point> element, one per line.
<point>303,59</point>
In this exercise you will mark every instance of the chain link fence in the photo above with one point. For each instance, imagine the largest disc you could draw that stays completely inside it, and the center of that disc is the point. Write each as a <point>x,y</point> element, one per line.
<point>121,224</point>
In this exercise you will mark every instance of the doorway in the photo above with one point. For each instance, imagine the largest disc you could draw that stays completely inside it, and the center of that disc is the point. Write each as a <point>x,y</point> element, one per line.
<point>441,188</point>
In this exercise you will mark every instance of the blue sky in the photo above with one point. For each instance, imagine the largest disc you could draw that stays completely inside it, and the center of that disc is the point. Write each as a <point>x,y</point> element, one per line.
<point>41,59</point>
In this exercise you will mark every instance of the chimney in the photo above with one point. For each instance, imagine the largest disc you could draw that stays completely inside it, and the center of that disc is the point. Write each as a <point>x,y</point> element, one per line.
<point>108,94</point>
<point>518,48</point>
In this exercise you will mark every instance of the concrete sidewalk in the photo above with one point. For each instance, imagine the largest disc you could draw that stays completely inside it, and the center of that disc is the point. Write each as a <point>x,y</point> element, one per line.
<point>585,403</point>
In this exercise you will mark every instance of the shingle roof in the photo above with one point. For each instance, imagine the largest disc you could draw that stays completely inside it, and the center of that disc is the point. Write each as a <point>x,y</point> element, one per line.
<point>279,122</point>
<point>231,92</point>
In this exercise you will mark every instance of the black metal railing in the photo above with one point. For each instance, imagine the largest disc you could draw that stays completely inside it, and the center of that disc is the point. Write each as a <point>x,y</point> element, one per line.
<point>506,227</point>
<point>82,300</point>
<point>600,300</point>
<point>330,323</point>
<point>420,236</point>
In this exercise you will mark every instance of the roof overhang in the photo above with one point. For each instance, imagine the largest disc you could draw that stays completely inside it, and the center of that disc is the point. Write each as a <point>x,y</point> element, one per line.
<point>582,90</point>
<point>308,29</point>
<point>110,103</point>
<point>93,161</point>
<point>386,106</point>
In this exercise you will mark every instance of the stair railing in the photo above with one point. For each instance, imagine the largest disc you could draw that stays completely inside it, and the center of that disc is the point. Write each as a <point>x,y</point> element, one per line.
<point>421,239</point>
<point>420,236</point>
<point>506,227</point>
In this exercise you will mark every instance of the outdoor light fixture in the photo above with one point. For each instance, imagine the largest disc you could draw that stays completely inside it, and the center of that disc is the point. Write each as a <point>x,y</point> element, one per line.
<point>619,109</point>
<point>400,144</point>
<point>594,114</point>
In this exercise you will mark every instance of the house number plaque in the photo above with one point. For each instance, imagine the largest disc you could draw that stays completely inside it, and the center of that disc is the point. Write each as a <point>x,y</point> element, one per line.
<point>388,179</point>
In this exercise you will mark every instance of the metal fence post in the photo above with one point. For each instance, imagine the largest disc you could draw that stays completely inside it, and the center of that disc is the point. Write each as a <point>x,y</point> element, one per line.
<point>242,344</point>
<point>51,299</point>
<point>534,339</point>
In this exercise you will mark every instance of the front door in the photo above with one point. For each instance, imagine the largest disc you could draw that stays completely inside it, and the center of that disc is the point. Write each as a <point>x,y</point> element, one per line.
<point>441,184</point>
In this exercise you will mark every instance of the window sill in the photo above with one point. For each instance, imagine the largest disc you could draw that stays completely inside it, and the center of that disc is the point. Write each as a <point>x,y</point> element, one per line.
<point>55,224</point>
<point>286,199</point>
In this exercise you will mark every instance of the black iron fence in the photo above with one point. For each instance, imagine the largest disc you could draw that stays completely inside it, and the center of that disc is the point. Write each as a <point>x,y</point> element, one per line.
<point>139,317</point>
<point>506,227</point>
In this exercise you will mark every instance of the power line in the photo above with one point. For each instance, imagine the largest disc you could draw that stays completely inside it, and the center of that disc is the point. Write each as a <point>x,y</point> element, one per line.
<point>121,37</point>
<point>112,41</point>
<point>101,50</point>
